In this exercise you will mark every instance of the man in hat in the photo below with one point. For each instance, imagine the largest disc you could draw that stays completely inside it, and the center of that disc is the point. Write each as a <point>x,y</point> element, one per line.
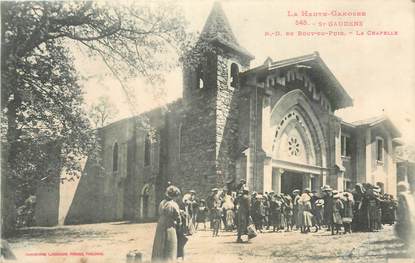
<point>192,208</point>
<point>288,211</point>
<point>267,203</point>
<point>328,206</point>
<point>296,216</point>
<point>243,214</point>
<point>241,185</point>
<point>212,202</point>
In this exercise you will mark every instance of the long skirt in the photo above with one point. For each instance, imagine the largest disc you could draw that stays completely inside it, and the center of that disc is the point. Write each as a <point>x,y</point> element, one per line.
<point>300,216</point>
<point>288,217</point>
<point>307,219</point>
<point>337,218</point>
<point>230,218</point>
<point>275,218</point>
<point>282,221</point>
<point>165,244</point>
<point>242,223</point>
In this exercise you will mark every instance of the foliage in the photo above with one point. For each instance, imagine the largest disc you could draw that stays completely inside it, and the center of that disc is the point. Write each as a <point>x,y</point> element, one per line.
<point>406,152</point>
<point>101,112</point>
<point>41,99</point>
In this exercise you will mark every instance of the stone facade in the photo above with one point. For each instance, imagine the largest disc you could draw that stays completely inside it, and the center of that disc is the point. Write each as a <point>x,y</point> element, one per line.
<point>273,125</point>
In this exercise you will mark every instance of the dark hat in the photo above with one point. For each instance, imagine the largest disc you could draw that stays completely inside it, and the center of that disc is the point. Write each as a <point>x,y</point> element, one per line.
<point>326,188</point>
<point>172,191</point>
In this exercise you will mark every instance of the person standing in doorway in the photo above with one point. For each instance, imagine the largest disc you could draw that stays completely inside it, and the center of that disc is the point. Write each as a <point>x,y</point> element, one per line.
<point>296,214</point>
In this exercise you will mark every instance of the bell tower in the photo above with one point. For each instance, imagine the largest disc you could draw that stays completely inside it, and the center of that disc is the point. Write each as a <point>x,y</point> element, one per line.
<point>210,94</point>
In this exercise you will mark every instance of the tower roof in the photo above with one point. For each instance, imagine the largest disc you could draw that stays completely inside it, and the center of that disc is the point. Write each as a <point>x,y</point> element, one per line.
<point>217,29</point>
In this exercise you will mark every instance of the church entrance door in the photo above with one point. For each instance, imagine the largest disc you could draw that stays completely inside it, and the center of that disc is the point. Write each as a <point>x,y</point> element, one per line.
<point>290,181</point>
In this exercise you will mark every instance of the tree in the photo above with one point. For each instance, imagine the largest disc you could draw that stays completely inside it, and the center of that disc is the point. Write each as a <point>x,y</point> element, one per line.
<point>41,99</point>
<point>102,112</point>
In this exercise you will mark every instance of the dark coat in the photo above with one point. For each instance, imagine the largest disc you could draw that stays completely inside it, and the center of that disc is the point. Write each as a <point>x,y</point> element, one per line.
<point>328,210</point>
<point>243,213</point>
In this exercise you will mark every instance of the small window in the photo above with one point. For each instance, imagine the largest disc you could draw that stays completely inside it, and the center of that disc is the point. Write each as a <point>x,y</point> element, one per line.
<point>147,145</point>
<point>234,75</point>
<point>200,77</point>
<point>379,149</point>
<point>115,158</point>
<point>345,146</point>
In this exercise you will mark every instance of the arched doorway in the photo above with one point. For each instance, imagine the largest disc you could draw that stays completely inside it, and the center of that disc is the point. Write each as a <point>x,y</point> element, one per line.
<point>147,202</point>
<point>144,201</point>
<point>299,148</point>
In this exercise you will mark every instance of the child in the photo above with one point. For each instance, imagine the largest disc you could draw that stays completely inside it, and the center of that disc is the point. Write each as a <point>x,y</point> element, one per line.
<point>216,219</point>
<point>201,214</point>
<point>348,212</point>
<point>337,211</point>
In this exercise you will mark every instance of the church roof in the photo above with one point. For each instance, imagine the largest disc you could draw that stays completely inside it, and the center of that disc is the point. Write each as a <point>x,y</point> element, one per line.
<point>217,29</point>
<point>318,69</point>
<point>370,121</point>
<point>378,120</point>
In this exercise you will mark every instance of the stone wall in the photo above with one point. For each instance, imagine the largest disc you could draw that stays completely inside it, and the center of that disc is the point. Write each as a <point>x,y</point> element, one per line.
<point>254,91</point>
<point>106,195</point>
<point>198,136</point>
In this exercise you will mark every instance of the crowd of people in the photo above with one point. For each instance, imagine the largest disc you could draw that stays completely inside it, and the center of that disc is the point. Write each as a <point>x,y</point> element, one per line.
<point>365,208</point>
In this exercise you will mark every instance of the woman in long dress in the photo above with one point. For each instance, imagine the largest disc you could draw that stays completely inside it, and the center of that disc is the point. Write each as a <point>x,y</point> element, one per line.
<point>165,244</point>
<point>228,206</point>
<point>305,205</point>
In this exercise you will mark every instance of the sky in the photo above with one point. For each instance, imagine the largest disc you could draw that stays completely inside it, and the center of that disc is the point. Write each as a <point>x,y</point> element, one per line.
<point>378,72</point>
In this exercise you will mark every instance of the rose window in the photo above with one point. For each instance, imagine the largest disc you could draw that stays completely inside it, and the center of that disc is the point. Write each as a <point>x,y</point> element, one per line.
<point>293,146</point>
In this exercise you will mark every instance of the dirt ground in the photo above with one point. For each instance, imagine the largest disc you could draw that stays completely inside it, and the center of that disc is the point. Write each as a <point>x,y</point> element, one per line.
<point>110,242</point>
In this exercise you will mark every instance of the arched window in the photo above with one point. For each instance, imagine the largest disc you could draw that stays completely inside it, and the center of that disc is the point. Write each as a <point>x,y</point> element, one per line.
<point>234,75</point>
<point>115,158</point>
<point>379,149</point>
<point>147,145</point>
<point>200,77</point>
<point>180,141</point>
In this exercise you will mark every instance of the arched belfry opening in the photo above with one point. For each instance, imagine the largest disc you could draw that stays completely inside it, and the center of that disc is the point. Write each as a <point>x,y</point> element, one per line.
<point>234,75</point>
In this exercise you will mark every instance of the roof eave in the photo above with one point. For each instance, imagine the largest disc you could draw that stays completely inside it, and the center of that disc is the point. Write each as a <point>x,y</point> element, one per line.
<point>345,99</point>
<point>237,49</point>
